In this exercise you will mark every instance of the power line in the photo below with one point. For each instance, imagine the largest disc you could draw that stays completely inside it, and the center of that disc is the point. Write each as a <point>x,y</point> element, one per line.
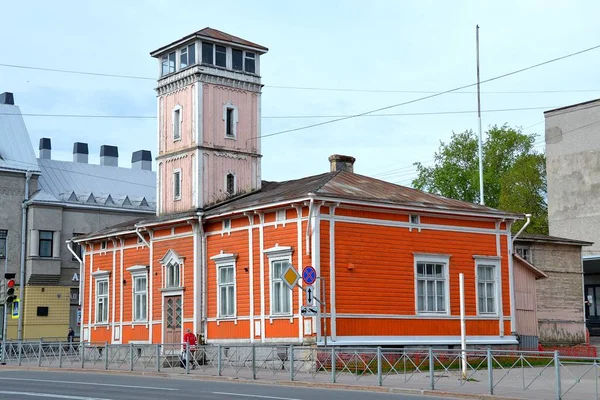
<point>431,95</point>
<point>309,88</point>
<point>288,116</point>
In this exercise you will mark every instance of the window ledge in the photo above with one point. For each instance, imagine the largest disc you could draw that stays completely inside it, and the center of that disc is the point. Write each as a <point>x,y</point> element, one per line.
<point>281,316</point>
<point>172,289</point>
<point>224,319</point>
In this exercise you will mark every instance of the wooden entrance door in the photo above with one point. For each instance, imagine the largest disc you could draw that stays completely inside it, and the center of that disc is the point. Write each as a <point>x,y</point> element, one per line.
<point>173,316</point>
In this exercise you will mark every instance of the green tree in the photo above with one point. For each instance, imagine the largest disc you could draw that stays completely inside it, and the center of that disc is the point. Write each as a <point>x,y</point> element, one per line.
<point>514,174</point>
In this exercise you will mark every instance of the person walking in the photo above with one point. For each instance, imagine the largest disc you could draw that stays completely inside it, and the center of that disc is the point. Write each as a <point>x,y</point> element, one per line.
<point>189,339</point>
<point>70,337</point>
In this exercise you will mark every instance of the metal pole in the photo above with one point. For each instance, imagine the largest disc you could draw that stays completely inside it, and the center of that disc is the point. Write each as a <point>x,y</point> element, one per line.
<point>59,355</point>
<point>82,352</point>
<point>463,333</point>
<point>323,300</point>
<point>105,355</point>
<point>253,362</point>
<point>379,367</point>
<point>39,352</point>
<point>481,199</point>
<point>22,264</point>
<point>291,357</point>
<point>20,346</point>
<point>557,375</point>
<point>158,357</point>
<point>131,356</point>
<point>333,365</point>
<point>431,369</point>
<point>219,358</point>
<point>4,322</point>
<point>187,359</point>
<point>490,366</point>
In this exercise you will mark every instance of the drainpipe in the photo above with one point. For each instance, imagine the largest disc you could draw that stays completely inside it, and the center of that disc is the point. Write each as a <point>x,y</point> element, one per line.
<point>23,243</point>
<point>202,285</point>
<point>308,224</point>
<point>80,295</point>
<point>511,276</point>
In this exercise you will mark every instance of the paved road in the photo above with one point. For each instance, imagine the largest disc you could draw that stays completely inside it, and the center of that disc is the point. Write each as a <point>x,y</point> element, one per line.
<point>32,385</point>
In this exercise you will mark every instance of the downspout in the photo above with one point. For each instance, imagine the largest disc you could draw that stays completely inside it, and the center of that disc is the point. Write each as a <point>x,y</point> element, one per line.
<point>308,224</point>
<point>23,243</point>
<point>511,275</point>
<point>79,296</point>
<point>202,284</point>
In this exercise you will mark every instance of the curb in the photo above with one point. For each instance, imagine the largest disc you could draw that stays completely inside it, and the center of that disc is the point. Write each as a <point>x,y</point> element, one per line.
<point>314,385</point>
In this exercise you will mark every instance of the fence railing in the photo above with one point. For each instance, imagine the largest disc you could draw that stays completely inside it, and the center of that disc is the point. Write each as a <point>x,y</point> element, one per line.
<point>510,373</point>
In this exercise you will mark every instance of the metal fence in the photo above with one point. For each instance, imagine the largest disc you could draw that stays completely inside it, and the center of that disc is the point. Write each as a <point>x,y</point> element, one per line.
<point>501,372</point>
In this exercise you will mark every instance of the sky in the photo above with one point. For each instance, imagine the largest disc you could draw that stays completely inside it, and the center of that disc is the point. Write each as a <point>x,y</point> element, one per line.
<point>380,52</point>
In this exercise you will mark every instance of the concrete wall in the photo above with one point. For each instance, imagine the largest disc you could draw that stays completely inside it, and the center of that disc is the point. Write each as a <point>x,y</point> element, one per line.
<point>573,169</point>
<point>560,296</point>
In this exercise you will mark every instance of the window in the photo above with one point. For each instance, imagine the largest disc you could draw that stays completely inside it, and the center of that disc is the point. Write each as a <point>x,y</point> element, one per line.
<point>280,294</point>
<point>226,224</point>
<point>207,53</point>
<point>431,283</point>
<point>140,298</point>
<point>280,216</point>
<point>226,291</point>
<point>524,252</point>
<point>102,301</point>
<point>177,123</point>
<point>220,56</point>
<point>414,219</point>
<point>103,245</point>
<point>172,271</point>
<point>230,184</point>
<point>168,63</point>
<point>229,123</point>
<point>486,289</point>
<point>46,243</point>
<point>238,59</point>
<point>187,56</point>
<point>3,236</point>
<point>177,184</point>
<point>250,62</point>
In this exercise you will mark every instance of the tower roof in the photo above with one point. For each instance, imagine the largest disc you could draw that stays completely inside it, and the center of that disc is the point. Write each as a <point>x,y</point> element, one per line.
<point>212,35</point>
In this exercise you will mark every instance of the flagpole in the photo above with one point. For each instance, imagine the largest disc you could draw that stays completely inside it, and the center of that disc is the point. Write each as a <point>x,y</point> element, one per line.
<point>481,199</point>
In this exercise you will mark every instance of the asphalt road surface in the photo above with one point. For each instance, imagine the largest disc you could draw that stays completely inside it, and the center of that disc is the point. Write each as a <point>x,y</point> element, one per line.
<point>35,385</point>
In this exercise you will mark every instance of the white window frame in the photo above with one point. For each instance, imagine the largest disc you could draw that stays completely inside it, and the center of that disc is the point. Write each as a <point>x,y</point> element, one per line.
<point>480,262</point>
<point>166,57</point>
<point>177,177</point>
<point>230,106</point>
<point>227,225</point>
<point>279,254</point>
<point>519,249</point>
<point>104,245</point>
<point>417,219</point>
<point>177,120</point>
<point>234,183</point>
<point>226,260</point>
<point>434,259</point>
<point>101,277</point>
<point>255,62</point>
<point>137,272</point>
<point>172,258</point>
<point>280,217</point>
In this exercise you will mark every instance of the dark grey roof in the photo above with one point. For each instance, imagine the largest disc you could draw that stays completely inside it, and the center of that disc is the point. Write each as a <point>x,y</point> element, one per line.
<point>532,237</point>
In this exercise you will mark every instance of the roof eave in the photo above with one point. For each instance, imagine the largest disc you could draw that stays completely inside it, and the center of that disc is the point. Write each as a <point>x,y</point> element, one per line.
<point>156,53</point>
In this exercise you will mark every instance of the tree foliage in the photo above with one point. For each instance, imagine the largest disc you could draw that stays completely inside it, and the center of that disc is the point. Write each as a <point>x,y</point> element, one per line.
<point>514,174</point>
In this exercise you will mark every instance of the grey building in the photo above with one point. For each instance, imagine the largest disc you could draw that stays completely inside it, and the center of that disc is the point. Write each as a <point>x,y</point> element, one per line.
<point>66,198</point>
<point>573,170</point>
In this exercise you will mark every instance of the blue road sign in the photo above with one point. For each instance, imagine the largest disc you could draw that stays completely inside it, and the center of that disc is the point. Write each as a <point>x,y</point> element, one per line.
<point>309,275</point>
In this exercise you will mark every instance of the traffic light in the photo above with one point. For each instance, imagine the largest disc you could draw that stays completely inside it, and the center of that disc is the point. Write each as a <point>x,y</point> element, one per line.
<point>10,288</point>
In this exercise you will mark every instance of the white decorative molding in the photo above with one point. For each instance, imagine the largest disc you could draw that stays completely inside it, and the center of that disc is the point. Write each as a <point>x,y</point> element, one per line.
<point>170,256</point>
<point>279,251</point>
<point>223,258</point>
<point>207,74</point>
<point>229,155</point>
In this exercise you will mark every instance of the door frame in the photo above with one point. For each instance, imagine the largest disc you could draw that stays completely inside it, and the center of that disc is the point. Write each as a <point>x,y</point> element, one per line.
<point>170,293</point>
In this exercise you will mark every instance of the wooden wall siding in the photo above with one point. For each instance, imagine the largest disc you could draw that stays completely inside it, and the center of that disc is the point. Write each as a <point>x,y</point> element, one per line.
<point>236,243</point>
<point>228,330</point>
<point>131,257</point>
<point>187,228</point>
<point>184,246</point>
<point>425,219</point>
<point>101,335</point>
<point>135,333</point>
<point>102,262</point>
<point>525,300</point>
<point>383,260</point>
<point>217,165</point>
<point>281,328</point>
<point>413,327</point>
<point>214,98</point>
<point>184,98</point>
<point>186,164</point>
<point>381,214</point>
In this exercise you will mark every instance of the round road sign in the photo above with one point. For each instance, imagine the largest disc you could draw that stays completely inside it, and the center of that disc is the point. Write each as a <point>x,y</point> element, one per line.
<point>309,275</point>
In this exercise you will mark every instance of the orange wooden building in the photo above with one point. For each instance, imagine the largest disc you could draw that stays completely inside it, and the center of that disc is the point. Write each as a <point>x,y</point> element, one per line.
<point>211,260</point>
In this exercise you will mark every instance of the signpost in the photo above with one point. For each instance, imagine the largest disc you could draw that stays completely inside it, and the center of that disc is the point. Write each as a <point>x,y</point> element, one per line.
<point>309,275</point>
<point>310,295</point>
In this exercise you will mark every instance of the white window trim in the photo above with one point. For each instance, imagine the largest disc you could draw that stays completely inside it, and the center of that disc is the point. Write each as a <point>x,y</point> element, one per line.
<point>172,257</point>
<point>104,245</point>
<point>180,122</point>
<point>433,258</point>
<point>496,264</point>
<point>255,62</point>
<point>227,225</point>
<point>136,272</point>
<point>235,185</point>
<point>225,260</point>
<point>230,106</point>
<point>278,220</point>
<point>100,277</point>
<point>523,247</point>
<point>176,196</point>
<point>274,254</point>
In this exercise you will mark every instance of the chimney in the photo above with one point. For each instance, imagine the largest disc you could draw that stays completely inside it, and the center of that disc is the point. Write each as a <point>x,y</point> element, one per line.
<point>142,159</point>
<point>7,98</point>
<point>45,149</point>
<point>109,155</point>
<point>80,152</point>
<point>338,162</point>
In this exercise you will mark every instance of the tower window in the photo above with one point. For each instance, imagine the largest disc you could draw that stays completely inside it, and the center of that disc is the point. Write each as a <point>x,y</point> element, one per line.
<point>188,56</point>
<point>238,59</point>
<point>207,53</point>
<point>177,184</point>
<point>250,62</point>
<point>168,63</point>
<point>177,124</point>
<point>229,123</point>
<point>230,182</point>
<point>221,56</point>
